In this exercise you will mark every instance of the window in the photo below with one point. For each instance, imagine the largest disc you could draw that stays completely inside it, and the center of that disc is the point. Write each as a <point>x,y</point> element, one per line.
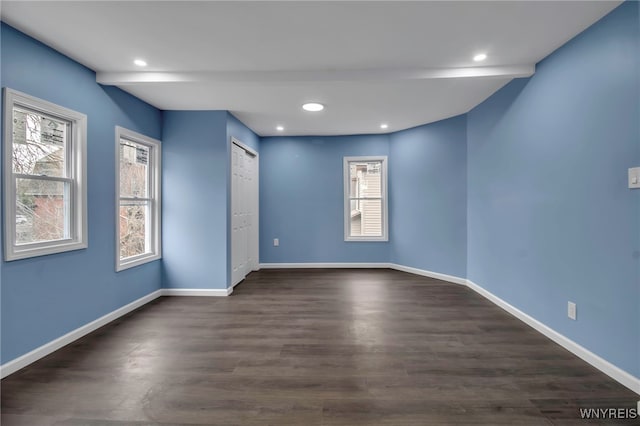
<point>44,177</point>
<point>138,199</point>
<point>365,199</point>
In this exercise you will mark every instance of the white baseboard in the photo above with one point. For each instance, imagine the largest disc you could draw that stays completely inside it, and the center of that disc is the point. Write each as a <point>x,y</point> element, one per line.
<point>44,350</point>
<point>606,367</point>
<point>601,364</point>
<point>430,274</point>
<point>196,291</point>
<point>338,265</point>
<point>366,265</point>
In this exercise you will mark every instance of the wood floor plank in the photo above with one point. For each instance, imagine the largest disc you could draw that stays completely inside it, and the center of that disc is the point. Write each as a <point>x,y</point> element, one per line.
<point>313,347</point>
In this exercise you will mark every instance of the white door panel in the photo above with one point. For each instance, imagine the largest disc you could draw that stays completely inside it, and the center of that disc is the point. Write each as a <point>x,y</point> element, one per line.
<point>244,210</point>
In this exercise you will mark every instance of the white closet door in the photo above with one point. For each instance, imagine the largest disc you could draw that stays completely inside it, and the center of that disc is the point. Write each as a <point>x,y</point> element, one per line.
<point>244,201</point>
<point>244,208</point>
<point>250,212</point>
<point>236,155</point>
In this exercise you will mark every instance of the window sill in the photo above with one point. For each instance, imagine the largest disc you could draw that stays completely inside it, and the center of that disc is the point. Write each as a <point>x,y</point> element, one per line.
<point>137,261</point>
<point>17,253</point>
<point>366,239</point>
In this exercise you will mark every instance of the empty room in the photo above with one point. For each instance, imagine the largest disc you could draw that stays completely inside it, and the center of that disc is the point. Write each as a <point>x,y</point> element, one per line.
<point>320,213</point>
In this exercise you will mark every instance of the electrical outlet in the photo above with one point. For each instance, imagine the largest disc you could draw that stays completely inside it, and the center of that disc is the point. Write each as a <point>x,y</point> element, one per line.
<point>571,310</point>
<point>634,177</point>
<point>276,242</point>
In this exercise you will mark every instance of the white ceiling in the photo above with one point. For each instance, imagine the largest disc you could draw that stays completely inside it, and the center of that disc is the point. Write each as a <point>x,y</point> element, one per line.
<point>369,62</point>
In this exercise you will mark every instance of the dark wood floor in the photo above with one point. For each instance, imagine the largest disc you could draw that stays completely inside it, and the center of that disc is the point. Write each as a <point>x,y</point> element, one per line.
<point>313,347</point>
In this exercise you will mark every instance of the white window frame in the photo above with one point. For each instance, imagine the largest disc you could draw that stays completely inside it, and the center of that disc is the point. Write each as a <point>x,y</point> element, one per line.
<point>385,199</point>
<point>154,198</point>
<point>76,158</point>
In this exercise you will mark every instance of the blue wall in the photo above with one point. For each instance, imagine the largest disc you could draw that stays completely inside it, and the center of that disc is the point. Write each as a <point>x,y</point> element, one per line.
<point>48,296</point>
<point>238,130</point>
<point>543,180</point>
<point>302,199</point>
<point>428,208</point>
<point>550,217</point>
<point>194,198</point>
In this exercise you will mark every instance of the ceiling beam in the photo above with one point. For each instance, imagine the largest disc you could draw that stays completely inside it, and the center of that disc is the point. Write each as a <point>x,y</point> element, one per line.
<point>141,77</point>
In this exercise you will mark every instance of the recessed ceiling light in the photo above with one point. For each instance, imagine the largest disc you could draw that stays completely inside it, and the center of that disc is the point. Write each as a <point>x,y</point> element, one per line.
<point>140,62</point>
<point>313,107</point>
<point>480,57</point>
<point>384,126</point>
<point>279,128</point>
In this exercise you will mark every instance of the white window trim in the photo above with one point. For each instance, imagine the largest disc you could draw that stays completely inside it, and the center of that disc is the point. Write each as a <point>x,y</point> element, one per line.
<point>385,200</point>
<point>78,191</point>
<point>156,200</point>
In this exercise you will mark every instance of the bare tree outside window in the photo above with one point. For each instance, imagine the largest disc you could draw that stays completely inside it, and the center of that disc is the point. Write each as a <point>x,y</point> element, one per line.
<point>44,175</point>
<point>134,199</point>
<point>138,215</point>
<point>39,151</point>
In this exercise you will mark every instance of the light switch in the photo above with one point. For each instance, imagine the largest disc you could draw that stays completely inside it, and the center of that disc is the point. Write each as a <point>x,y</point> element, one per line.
<point>571,310</point>
<point>634,177</point>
